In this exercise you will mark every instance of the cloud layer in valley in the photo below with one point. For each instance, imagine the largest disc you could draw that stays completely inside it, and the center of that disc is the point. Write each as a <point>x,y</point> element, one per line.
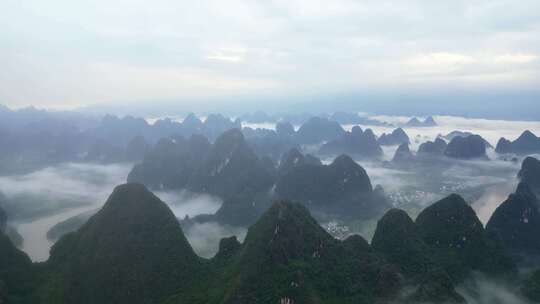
<point>205,237</point>
<point>38,201</point>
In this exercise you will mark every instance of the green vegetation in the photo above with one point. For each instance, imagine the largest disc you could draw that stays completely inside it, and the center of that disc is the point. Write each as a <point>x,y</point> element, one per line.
<point>530,173</point>
<point>517,221</point>
<point>437,287</point>
<point>134,251</point>
<point>458,240</point>
<point>398,240</point>
<point>17,276</point>
<point>343,187</point>
<point>531,287</point>
<point>287,255</point>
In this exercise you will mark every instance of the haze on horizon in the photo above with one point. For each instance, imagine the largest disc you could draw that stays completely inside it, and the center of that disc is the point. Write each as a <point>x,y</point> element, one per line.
<point>69,54</point>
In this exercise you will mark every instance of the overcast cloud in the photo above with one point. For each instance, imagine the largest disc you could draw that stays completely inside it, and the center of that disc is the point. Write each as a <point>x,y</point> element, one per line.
<point>69,53</point>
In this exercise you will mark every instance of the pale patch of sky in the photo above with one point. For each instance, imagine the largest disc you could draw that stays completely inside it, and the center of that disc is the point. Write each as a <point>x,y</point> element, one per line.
<point>70,53</point>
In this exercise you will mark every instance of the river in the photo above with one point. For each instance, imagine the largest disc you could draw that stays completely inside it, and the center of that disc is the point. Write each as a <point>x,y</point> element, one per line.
<point>34,233</point>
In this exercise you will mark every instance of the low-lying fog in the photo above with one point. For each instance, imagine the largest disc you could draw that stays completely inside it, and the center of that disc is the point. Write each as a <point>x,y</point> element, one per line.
<point>485,184</point>
<point>62,194</point>
<point>40,200</point>
<point>203,237</point>
<point>480,289</point>
<point>489,129</point>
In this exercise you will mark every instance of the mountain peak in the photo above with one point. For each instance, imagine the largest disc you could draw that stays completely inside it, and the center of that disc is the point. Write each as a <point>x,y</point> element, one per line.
<point>357,142</point>
<point>526,143</point>
<point>369,133</point>
<point>413,121</point>
<point>397,217</point>
<point>192,121</point>
<point>356,130</point>
<point>288,257</point>
<point>530,173</point>
<point>294,158</point>
<point>285,231</point>
<point>344,161</point>
<point>472,146</point>
<point>284,128</point>
<point>530,161</point>
<point>527,135</point>
<point>457,237</point>
<point>343,187</point>
<point>517,221</point>
<point>132,251</point>
<point>403,153</point>
<point>233,135</point>
<point>397,137</point>
<point>318,129</point>
<point>228,247</point>
<point>131,194</point>
<point>430,121</point>
<point>436,147</point>
<point>399,131</point>
<point>397,239</point>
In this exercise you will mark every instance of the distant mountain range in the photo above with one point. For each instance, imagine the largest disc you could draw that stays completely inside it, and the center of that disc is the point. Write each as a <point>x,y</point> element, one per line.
<point>495,104</point>
<point>34,138</point>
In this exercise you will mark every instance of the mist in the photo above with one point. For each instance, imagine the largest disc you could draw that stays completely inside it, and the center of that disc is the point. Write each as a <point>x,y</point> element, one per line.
<point>58,188</point>
<point>490,130</point>
<point>205,237</point>
<point>480,289</point>
<point>491,199</point>
<point>185,203</point>
<point>39,200</point>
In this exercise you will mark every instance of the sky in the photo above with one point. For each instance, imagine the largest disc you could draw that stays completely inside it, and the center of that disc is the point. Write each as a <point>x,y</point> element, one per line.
<point>68,54</point>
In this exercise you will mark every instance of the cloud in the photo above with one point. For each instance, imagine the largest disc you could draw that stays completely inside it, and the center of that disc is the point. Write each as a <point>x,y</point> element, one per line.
<point>480,289</point>
<point>440,59</point>
<point>204,238</point>
<point>57,188</point>
<point>484,184</point>
<point>490,129</point>
<point>491,199</point>
<point>73,53</point>
<point>516,58</point>
<point>234,55</point>
<point>184,203</point>
<point>37,201</point>
<point>222,57</point>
